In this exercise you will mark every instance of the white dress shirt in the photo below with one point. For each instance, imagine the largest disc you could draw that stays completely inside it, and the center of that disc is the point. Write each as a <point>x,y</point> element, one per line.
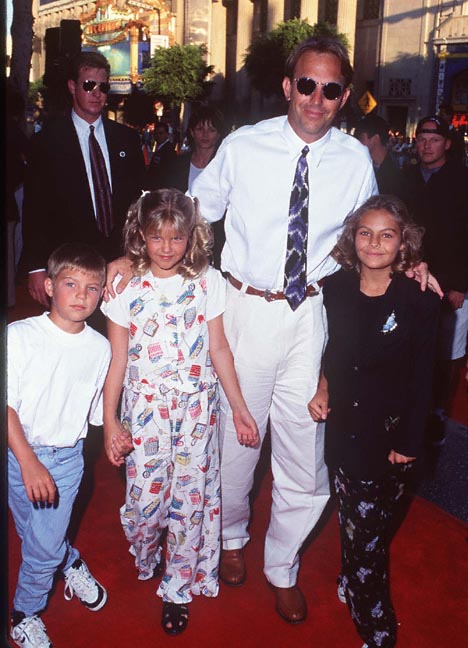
<point>252,176</point>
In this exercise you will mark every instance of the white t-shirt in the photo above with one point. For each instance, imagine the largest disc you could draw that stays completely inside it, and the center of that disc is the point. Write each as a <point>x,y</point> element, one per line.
<point>55,380</point>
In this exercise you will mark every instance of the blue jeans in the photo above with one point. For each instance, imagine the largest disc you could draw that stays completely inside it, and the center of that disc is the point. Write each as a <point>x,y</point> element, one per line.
<point>44,545</point>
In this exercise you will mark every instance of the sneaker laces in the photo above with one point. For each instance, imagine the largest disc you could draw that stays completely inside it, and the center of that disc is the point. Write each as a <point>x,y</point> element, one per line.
<point>80,582</point>
<point>34,629</point>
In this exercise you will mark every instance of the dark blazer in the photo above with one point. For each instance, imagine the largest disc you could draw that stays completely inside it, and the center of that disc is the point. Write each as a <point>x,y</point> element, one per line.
<point>379,383</point>
<point>57,202</point>
<point>389,177</point>
<point>440,205</point>
<point>179,171</point>
<point>158,170</point>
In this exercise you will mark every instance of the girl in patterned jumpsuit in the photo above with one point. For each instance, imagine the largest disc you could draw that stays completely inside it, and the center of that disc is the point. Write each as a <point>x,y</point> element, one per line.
<point>168,349</point>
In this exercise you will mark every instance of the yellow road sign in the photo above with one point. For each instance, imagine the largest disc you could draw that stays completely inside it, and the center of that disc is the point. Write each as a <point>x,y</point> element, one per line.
<point>367,103</point>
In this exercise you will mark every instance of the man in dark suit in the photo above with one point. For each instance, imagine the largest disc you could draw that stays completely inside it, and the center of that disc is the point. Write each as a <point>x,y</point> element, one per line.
<point>373,132</point>
<point>62,196</point>
<point>159,170</point>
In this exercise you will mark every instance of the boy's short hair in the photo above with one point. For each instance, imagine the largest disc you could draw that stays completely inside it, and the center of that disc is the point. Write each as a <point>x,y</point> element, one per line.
<point>79,256</point>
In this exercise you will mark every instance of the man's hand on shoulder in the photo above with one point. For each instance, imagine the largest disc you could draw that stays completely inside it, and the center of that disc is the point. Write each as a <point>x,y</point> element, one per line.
<point>36,287</point>
<point>421,273</point>
<point>121,266</point>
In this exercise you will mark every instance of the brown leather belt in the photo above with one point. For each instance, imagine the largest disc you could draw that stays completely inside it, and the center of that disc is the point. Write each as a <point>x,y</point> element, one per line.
<point>270,295</point>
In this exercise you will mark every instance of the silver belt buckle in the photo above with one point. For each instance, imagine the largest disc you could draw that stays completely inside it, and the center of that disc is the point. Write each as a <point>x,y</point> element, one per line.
<point>268,295</point>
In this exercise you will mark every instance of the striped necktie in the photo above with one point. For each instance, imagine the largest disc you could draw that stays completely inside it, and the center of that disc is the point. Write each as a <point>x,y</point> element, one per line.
<point>295,269</point>
<point>102,190</point>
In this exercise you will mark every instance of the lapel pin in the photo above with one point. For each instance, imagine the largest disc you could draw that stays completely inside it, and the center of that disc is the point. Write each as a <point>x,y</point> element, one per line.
<point>390,325</point>
<point>122,154</point>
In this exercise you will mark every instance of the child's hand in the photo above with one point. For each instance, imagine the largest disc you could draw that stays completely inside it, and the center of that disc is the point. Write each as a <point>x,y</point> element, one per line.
<point>121,444</point>
<point>397,458</point>
<point>39,484</point>
<point>117,442</point>
<point>318,406</point>
<point>246,428</point>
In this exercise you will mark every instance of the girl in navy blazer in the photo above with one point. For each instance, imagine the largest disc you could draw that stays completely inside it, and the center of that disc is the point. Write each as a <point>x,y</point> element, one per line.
<point>374,393</point>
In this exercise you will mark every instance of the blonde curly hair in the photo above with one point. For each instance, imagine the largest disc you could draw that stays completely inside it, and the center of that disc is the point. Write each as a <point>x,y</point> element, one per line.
<point>155,209</point>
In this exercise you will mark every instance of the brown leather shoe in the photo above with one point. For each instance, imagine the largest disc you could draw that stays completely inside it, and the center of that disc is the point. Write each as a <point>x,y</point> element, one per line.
<point>291,604</point>
<point>232,567</point>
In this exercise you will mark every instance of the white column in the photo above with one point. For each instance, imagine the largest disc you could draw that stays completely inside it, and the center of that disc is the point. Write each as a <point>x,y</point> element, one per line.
<point>309,11</point>
<point>217,47</point>
<point>275,13</point>
<point>244,38</point>
<point>346,22</point>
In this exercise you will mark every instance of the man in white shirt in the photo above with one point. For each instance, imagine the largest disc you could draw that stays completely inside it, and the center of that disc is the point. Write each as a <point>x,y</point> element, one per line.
<point>277,351</point>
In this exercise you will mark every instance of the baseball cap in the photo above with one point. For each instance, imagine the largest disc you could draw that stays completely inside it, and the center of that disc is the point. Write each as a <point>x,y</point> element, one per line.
<point>441,126</point>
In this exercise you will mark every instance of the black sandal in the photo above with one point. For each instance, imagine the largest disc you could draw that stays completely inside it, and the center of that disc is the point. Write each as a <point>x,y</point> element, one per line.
<point>174,617</point>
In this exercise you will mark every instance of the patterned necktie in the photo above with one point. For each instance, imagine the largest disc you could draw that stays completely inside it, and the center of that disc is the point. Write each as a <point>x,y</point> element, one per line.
<point>102,190</point>
<point>295,269</point>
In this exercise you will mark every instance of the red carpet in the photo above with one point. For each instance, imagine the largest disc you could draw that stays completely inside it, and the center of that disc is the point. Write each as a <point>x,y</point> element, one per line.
<point>429,580</point>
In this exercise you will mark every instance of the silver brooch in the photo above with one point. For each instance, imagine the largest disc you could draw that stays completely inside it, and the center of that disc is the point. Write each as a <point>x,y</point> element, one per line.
<point>390,325</point>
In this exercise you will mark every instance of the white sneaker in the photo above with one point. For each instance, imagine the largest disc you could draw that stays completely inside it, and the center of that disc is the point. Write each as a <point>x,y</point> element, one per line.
<point>80,581</point>
<point>30,633</point>
<point>340,592</point>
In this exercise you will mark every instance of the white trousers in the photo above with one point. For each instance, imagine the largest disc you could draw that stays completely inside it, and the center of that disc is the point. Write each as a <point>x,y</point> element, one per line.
<point>277,354</point>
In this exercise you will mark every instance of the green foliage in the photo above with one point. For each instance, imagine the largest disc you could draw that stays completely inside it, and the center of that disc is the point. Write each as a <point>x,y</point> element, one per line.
<point>267,54</point>
<point>178,74</point>
<point>37,91</point>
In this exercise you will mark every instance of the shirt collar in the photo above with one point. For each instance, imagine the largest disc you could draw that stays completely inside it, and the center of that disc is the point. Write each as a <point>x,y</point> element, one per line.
<point>296,144</point>
<point>83,126</point>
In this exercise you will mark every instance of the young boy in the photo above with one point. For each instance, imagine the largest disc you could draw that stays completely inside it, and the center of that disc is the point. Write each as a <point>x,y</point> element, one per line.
<point>56,370</point>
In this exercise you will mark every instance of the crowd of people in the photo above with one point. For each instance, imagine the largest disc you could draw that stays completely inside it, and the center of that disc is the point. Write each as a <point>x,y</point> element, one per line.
<point>314,321</point>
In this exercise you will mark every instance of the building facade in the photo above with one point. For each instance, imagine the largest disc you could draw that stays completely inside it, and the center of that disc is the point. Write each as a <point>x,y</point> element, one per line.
<point>410,55</point>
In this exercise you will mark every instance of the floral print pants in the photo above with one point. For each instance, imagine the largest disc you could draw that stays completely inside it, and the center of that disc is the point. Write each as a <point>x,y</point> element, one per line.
<point>366,510</point>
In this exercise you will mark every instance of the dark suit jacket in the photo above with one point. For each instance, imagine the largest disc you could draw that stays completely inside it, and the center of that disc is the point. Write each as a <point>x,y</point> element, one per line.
<point>389,178</point>
<point>178,172</point>
<point>158,170</point>
<point>440,205</point>
<point>57,203</point>
<point>379,383</point>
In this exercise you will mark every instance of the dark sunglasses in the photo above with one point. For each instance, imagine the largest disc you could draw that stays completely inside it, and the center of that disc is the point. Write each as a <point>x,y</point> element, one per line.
<point>89,85</point>
<point>331,90</point>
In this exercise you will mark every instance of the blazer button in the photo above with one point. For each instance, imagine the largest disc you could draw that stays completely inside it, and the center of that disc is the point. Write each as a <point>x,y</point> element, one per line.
<point>356,404</point>
<point>356,368</point>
